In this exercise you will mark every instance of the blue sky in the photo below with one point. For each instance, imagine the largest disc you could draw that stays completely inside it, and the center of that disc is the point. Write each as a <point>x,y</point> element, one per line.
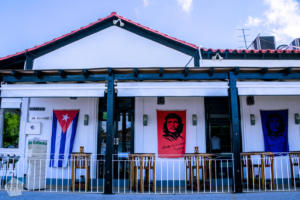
<point>210,24</point>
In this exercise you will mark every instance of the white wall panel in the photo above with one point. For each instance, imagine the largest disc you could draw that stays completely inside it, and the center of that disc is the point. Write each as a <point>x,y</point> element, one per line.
<point>85,136</point>
<point>53,90</point>
<point>145,139</point>
<point>268,88</point>
<point>172,89</point>
<point>11,102</point>
<point>252,135</point>
<point>112,47</point>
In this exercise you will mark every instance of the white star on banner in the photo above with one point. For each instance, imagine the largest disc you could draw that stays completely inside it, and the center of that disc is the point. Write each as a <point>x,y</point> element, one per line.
<point>65,117</point>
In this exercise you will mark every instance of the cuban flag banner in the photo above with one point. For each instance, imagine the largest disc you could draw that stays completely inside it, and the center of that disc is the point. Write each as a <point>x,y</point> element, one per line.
<point>63,134</point>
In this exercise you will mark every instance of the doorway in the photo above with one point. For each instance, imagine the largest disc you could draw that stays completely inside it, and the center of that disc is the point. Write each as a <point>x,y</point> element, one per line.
<point>218,134</point>
<point>123,139</point>
<point>123,126</point>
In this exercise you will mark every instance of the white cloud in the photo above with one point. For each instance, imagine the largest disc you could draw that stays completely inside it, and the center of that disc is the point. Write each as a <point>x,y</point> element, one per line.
<point>186,5</point>
<point>253,21</point>
<point>146,3</point>
<point>284,18</point>
<point>281,19</point>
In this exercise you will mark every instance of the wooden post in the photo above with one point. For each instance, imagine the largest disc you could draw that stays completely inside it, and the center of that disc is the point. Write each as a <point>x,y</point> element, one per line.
<point>109,134</point>
<point>235,133</point>
<point>262,160</point>
<point>197,59</point>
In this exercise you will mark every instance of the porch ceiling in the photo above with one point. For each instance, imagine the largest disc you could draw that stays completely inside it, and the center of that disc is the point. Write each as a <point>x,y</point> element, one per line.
<point>144,74</point>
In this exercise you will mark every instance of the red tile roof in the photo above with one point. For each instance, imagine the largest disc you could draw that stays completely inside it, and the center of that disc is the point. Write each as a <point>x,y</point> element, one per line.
<point>113,14</point>
<point>252,51</point>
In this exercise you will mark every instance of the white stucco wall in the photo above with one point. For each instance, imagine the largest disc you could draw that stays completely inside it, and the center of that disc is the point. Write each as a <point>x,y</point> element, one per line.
<point>112,47</point>
<point>145,140</point>
<point>85,136</point>
<point>252,136</point>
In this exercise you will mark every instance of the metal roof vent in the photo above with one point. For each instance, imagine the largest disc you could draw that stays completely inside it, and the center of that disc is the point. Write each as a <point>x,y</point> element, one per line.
<point>295,44</point>
<point>263,42</point>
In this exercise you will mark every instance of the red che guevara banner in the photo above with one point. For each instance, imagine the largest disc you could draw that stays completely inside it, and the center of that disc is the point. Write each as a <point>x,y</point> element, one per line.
<point>171,133</point>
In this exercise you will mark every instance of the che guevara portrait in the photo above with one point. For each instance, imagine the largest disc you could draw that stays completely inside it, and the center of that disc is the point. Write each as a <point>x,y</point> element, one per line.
<point>171,133</point>
<point>275,130</point>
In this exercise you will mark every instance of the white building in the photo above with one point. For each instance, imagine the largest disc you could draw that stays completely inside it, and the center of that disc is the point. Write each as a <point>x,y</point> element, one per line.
<point>221,91</point>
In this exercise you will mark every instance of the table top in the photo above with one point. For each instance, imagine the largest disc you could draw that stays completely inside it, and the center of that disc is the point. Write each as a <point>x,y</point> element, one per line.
<point>79,153</point>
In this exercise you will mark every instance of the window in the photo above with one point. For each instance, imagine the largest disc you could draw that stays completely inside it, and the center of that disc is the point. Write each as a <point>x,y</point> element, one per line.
<point>10,127</point>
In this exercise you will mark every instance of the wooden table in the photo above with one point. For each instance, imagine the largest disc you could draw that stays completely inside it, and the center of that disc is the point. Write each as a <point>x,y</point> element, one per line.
<point>143,163</point>
<point>81,161</point>
<point>197,161</point>
<point>266,159</point>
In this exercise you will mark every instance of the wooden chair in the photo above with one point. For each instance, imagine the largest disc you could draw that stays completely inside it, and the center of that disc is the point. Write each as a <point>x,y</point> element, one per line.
<point>81,161</point>
<point>259,161</point>
<point>246,164</point>
<point>144,163</point>
<point>294,158</point>
<point>194,163</point>
<point>267,160</point>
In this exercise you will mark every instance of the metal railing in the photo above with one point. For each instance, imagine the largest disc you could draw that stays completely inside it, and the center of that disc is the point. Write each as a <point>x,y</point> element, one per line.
<point>172,175</point>
<point>260,172</point>
<point>35,174</point>
<point>270,172</point>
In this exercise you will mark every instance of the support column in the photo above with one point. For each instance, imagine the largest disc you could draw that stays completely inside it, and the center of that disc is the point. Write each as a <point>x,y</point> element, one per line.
<point>197,59</point>
<point>235,133</point>
<point>109,134</point>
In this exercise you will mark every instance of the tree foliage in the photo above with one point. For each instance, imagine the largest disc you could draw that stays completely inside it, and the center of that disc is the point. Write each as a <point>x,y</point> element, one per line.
<point>11,128</point>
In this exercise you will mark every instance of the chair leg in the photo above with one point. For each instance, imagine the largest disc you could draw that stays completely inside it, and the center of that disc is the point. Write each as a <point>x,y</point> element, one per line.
<point>263,172</point>
<point>292,174</point>
<point>135,179</point>
<point>186,176</point>
<point>192,179</point>
<point>190,174</point>
<point>154,179</point>
<point>204,174</point>
<point>242,173</point>
<point>130,178</point>
<point>198,179</point>
<point>141,177</point>
<point>147,178</point>
<point>273,182</point>
<point>210,173</point>
<point>253,176</point>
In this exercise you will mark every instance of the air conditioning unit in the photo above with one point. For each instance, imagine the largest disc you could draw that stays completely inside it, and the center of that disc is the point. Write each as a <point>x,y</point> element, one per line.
<point>263,42</point>
<point>36,165</point>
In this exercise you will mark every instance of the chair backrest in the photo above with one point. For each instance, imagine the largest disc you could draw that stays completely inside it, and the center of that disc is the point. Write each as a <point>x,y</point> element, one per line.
<point>147,160</point>
<point>197,159</point>
<point>294,158</point>
<point>245,159</point>
<point>268,158</point>
<point>81,160</point>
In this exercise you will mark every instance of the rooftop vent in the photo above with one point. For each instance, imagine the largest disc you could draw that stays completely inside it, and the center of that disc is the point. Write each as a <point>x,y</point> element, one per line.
<point>295,44</point>
<point>263,42</point>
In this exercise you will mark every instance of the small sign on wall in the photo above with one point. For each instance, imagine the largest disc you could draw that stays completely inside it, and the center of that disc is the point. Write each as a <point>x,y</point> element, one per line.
<point>33,128</point>
<point>37,109</point>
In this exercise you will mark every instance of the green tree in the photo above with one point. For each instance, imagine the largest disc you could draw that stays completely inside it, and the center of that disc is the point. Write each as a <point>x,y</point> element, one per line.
<point>11,128</point>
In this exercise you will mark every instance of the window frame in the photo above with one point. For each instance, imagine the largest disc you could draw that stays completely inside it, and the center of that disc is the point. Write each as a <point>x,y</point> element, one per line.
<point>2,128</point>
<point>12,103</point>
